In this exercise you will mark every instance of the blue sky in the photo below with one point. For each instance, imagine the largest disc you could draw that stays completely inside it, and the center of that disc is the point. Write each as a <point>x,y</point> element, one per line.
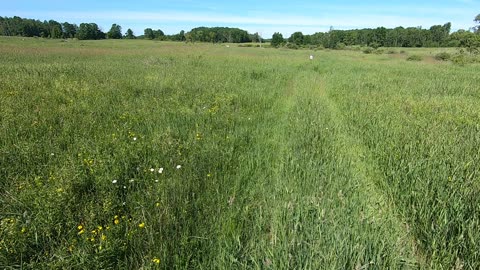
<point>264,16</point>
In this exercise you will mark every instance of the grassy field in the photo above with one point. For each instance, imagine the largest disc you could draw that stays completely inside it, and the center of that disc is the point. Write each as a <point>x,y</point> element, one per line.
<point>140,154</point>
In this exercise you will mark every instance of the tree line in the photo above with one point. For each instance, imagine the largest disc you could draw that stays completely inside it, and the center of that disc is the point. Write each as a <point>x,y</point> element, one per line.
<point>16,26</point>
<point>435,36</point>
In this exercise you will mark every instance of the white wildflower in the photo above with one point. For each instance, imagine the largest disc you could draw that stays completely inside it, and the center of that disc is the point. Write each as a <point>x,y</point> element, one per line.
<point>179,166</point>
<point>114,181</point>
<point>160,170</point>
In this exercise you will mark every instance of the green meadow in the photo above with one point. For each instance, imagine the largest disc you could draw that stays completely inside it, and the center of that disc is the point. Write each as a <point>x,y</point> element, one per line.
<point>137,154</point>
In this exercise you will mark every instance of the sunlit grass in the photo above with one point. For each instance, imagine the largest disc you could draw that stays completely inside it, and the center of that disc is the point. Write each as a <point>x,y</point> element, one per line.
<point>141,154</point>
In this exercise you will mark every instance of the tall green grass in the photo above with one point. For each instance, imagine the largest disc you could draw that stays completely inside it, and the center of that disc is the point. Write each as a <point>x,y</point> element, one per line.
<point>138,154</point>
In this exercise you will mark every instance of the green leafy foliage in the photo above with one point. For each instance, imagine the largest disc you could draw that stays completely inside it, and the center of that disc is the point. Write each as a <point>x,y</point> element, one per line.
<point>297,38</point>
<point>368,50</point>
<point>443,56</point>
<point>90,31</point>
<point>115,32</point>
<point>129,34</point>
<point>219,35</point>
<point>277,40</point>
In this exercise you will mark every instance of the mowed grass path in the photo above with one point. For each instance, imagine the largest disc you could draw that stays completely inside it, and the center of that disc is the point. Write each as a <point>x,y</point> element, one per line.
<point>139,154</point>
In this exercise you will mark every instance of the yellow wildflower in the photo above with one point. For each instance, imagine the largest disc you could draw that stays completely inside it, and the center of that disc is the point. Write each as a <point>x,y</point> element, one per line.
<point>81,232</point>
<point>156,260</point>
<point>23,230</point>
<point>116,221</point>
<point>157,204</point>
<point>80,227</point>
<point>141,225</point>
<point>104,237</point>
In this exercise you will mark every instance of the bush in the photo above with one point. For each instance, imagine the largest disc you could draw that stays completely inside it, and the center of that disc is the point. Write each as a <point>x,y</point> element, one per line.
<point>375,45</point>
<point>368,50</point>
<point>315,47</point>
<point>354,48</point>
<point>379,51</point>
<point>460,59</point>
<point>443,56</point>
<point>340,46</point>
<point>391,52</point>
<point>414,58</point>
<point>249,45</point>
<point>292,46</point>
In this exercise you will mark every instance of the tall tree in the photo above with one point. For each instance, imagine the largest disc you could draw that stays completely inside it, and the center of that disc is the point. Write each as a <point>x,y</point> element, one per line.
<point>85,32</point>
<point>148,33</point>
<point>256,37</point>
<point>129,34</point>
<point>277,40</point>
<point>69,30</point>
<point>220,35</point>
<point>182,35</point>
<point>158,34</point>
<point>296,38</point>
<point>55,29</point>
<point>439,34</point>
<point>115,32</point>
<point>89,31</point>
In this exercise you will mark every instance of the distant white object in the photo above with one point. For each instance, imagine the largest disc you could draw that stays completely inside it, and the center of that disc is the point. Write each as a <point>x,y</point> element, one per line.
<point>228,46</point>
<point>311,57</point>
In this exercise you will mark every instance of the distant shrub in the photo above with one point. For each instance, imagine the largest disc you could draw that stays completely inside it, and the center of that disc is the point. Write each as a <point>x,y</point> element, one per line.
<point>340,46</point>
<point>354,48</point>
<point>443,56</point>
<point>379,51</point>
<point>249,45</point>
<point>368,50</point>
<point>460,59</point>
<point>391,52</point>
<point>375,45</point>
<point>453,43</point>
<point>402,51</point>
<point>315,47</point>
<point>414,58</point>
<point>292,46</point>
